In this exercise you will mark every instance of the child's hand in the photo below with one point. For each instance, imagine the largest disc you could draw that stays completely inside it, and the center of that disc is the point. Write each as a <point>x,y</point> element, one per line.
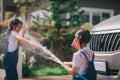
<point>25,30</point>
<point>22,44</point>
<point>63,65</point>
<point>32,44</point>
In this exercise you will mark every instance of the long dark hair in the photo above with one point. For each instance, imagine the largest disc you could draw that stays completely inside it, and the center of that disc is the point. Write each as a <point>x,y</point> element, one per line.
<point>13,24</point>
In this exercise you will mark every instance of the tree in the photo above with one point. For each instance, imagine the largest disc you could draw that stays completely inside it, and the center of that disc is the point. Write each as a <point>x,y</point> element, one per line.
<point>63,28</point>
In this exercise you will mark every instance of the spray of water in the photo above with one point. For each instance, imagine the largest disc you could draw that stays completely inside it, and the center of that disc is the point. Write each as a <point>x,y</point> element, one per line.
<point>3,42</point>
<point>38,50</point>
<point>41,50</point>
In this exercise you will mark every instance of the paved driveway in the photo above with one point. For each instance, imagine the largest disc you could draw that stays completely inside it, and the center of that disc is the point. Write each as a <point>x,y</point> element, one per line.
<point>60,77</point>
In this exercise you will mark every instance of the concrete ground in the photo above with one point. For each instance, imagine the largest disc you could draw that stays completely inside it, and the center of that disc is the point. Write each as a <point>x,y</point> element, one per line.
<point>59,77</point>
<point>62,77</point>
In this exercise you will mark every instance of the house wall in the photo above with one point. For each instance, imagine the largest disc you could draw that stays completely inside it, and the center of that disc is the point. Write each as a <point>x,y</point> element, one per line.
<point>104,4</point>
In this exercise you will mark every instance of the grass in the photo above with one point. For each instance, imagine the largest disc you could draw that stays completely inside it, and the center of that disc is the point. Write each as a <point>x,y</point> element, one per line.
<point>45,71</point>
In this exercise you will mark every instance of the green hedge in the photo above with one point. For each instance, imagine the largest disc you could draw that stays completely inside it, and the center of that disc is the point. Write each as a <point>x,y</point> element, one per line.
<point>46,71</point>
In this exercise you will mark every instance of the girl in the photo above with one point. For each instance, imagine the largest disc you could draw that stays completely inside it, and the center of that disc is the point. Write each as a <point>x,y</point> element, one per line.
<point>11,54</point>
<point>78,67</point>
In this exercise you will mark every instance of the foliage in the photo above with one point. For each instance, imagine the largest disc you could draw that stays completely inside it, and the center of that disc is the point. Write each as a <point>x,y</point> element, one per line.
<point>67,51</point>
<point>19,1</point>
<point>72,8</point>
<point>58,28</point>
<point>26,71</point>
<point>61,26</point>
<point>87,26</point>
<point>44,70</point>
<point>3,27</point>
<point>0,29</point>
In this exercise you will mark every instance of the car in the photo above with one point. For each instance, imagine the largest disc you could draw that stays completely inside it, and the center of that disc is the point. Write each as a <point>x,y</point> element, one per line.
<point>105,43</point>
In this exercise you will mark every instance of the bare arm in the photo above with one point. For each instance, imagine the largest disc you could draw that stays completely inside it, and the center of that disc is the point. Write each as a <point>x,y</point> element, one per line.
<point>72,70</point>
<point>25,29</point>
<point>68,63</point>
<point>23,40</point>
<point>68,66</point>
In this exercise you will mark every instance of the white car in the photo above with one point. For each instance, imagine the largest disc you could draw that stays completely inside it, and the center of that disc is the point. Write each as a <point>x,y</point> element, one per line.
<point>105,42</point>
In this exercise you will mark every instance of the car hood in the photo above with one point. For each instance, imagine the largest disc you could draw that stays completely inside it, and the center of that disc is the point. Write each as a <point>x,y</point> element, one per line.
<point>111,25</point>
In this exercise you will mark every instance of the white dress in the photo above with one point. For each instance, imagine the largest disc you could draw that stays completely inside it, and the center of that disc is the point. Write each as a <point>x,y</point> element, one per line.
<point>12,42</point>
<point>79,59</point>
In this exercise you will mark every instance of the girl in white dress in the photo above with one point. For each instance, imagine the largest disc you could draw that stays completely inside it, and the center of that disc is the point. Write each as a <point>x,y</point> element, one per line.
<point>79,64</point>
<point>11,54</point>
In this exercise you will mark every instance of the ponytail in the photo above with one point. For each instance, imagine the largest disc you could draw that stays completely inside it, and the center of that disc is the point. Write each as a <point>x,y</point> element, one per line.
<point>87,35</point>
<point>83,36</point>
<point>13,24</point>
